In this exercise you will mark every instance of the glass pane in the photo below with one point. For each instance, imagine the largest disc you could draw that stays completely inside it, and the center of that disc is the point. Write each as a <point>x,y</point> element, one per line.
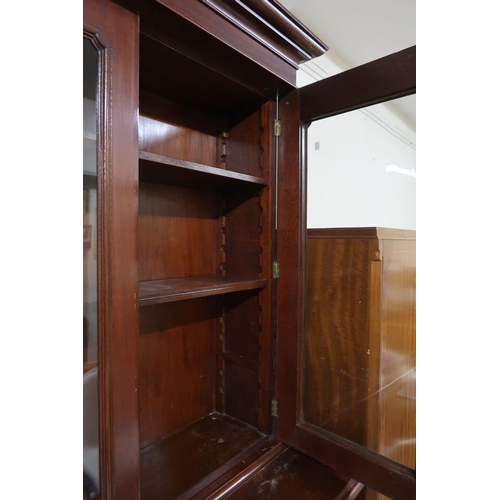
<point>359,374</point>
<point>90,316</point>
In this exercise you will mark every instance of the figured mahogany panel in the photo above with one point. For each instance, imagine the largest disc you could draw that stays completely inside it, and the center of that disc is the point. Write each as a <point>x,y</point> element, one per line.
<point>337,350</point>
<point>177,232</point>
<point>176,464</point>
<point>397,401</point>
<point>362,282</point>
<point>176,366</point>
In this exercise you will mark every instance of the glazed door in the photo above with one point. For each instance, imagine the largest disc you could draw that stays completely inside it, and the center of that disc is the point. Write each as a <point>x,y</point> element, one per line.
<point>387,78</point>
<point>111,445</point>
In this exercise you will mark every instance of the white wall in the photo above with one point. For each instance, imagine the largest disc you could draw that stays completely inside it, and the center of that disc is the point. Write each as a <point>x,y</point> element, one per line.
<point>361,164</point>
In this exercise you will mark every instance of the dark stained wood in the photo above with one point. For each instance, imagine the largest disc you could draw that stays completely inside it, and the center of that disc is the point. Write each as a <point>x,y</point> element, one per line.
<point>167,170</point>
<point>243,143</point>
<point>176,366</point>
<point>389,77</point>
<point>200,201</point>
<point>242,471</point>
<point>289,26</point>
<point>114,32</point>
<point>266,296</point>
<point>160,291</point>
<point>293,41</point>
<point>171,466</point>
<point>184,117</point>
<point>210,21</point>
<point>289,286</point>
<point>177,232</point>
<point>294,476</point>
<point>353,460</point>
<point>211,91</point>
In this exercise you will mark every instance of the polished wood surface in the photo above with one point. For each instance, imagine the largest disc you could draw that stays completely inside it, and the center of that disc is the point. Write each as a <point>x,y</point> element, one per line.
<point>194,86</point>
<point>114,32</point>
<point>204,231</point>
<point>350,459</point>
<point>175,465</point>
<point>164,169</point>
<point>294,476</point>
<point>160,291</point>
<point>176,365</point>
<point>178,232</point>
<point>397,400</point>
<point>360,315</point>
<point>389,77</point>
<point>317,101</point>
<point>338,347</point>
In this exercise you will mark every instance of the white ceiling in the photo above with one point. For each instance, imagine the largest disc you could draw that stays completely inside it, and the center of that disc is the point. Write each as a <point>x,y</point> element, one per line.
<point>359,31</point>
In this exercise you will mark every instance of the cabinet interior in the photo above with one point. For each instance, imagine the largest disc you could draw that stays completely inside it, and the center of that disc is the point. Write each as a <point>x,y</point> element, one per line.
<point>204,265</point>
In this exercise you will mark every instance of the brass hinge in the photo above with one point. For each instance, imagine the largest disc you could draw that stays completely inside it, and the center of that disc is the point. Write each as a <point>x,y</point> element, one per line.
<point>276,269</point>
<point>277,127</point>
<point>274,408</point>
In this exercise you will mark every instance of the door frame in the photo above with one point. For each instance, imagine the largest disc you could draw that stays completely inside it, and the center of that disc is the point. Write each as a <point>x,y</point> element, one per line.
<point>387,78</point>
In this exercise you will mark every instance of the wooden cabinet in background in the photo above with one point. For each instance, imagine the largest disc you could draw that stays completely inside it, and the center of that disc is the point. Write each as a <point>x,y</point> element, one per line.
<point>359,378</point>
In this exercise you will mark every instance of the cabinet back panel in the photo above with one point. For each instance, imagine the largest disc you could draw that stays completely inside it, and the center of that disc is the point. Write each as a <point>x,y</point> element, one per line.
<point>178,232</point>
<point>172,140</point>
<point>176,365</point>
<point>241,324</point>
<point>244,152</point>
<point>243,232</point>
<point>336,336</point>
<point>241,362</point>
<point>241,393</point>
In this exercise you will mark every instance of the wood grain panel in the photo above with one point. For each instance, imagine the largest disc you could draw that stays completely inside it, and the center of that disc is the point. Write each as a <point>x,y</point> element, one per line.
<point>177,232</point>
<point>398,357</point>
<point>244,144</point>
<point>169,139</point>
<point>176,366</point>
<point>336,385</point>
<point>377,310</point>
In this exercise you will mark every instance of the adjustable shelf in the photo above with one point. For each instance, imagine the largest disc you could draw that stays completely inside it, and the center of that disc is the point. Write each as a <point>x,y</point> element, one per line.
<point>166,170</point>
<point>171,290</point>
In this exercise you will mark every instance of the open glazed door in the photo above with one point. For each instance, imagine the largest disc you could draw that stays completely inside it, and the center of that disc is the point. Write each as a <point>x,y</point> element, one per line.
<point>390,77</point>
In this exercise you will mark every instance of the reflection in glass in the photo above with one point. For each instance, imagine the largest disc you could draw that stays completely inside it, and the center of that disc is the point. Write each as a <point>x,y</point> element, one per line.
<point>359,363</point>
<point>90,323</point>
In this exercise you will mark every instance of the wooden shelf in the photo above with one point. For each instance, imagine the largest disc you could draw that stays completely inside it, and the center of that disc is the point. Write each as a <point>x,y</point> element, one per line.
<point>170,290</point>
<point>167,170</point>
<point>172,466</point>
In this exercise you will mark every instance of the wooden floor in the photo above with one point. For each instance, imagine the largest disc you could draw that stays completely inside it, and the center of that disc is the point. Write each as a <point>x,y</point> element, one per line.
<point>176,465</point>
<point>293,475</point>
